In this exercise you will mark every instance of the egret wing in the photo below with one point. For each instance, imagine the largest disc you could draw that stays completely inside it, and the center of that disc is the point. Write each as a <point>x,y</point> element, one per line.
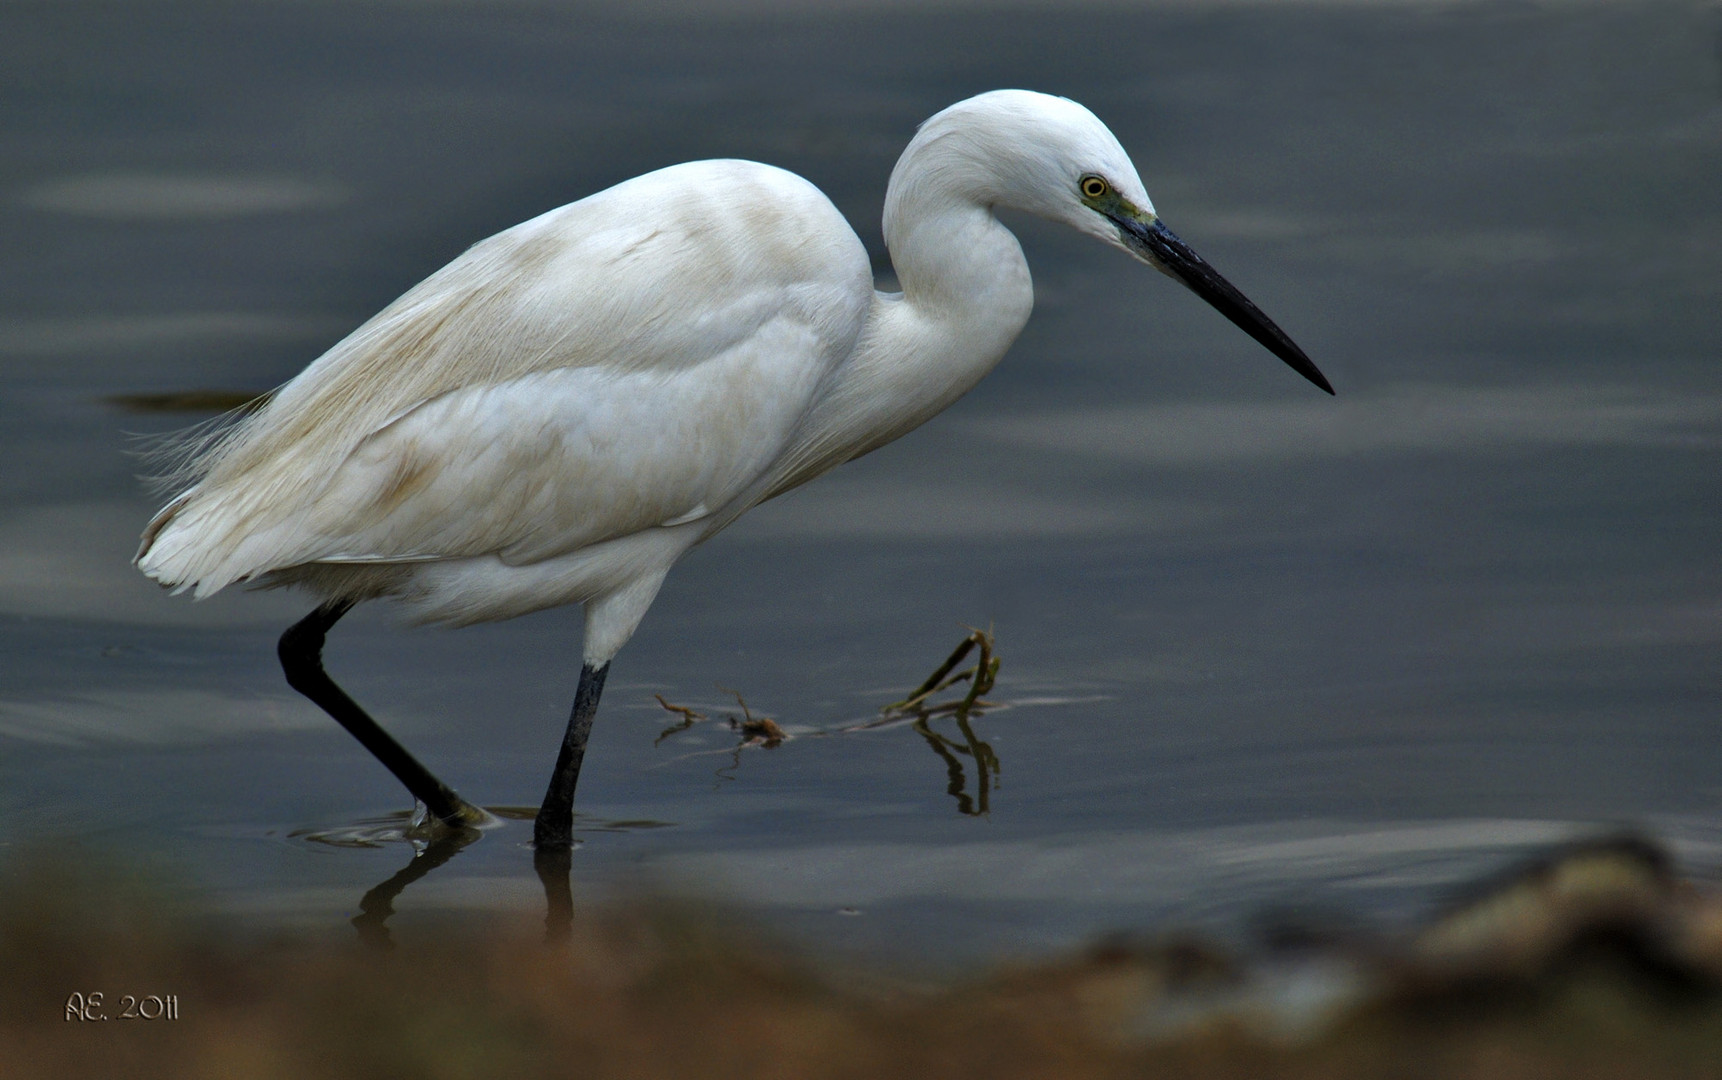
<point>626,329</point>
<point>554,461</point>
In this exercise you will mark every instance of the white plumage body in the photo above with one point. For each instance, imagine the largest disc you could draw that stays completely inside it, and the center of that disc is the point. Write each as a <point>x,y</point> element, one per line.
<point>551,391</point>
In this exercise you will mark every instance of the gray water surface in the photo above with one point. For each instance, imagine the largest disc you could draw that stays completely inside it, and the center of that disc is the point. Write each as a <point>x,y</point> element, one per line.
<point>1262,649</point>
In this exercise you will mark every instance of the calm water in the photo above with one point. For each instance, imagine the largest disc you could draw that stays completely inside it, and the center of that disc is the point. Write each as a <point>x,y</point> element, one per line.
<point>1262,649</point>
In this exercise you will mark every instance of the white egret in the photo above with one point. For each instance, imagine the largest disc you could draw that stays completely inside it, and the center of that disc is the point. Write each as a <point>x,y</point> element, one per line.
<point>569,407</point>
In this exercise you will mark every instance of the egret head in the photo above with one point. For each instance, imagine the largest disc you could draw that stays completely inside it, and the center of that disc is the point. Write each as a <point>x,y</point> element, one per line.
<point>1053,158</point>
<point>1026,151</point>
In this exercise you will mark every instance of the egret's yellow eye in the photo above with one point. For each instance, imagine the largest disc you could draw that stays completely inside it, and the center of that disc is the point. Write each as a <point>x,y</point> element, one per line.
<point>1094,187</point>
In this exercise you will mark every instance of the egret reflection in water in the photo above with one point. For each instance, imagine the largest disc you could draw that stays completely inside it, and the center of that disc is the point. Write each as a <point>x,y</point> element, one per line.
<point>378,903</point>
<point>434,844</point>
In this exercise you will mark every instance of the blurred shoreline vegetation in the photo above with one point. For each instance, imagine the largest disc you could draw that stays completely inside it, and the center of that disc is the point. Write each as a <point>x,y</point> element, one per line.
<point>1596,960</point>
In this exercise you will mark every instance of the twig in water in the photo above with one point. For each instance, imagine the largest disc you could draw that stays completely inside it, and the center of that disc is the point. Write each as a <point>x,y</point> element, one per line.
<point>689,719</point>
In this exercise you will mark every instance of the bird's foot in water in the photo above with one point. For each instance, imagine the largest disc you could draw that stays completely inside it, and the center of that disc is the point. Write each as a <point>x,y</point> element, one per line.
<point>553,830</point>
<point>458,815</point>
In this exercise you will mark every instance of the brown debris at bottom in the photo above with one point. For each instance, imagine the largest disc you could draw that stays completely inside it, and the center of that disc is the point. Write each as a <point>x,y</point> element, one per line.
<point>1596,961</point>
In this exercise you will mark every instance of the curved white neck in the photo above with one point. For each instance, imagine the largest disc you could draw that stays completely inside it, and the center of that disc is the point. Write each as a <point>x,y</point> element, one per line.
<point>966,295</point>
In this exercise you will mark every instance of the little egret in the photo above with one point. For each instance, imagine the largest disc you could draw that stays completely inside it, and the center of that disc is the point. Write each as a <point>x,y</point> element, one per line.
<point>569,407</point>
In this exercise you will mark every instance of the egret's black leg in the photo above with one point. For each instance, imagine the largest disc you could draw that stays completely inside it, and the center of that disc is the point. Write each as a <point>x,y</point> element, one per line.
<point>301,652</point>
<point>555,824</point>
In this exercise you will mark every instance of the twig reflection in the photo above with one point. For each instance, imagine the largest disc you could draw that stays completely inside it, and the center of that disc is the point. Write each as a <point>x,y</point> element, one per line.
<point>986,764</point>
<point>918,704</point>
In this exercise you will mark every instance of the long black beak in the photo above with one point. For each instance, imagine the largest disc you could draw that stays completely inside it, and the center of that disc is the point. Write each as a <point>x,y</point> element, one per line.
<point>1157,244</point>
